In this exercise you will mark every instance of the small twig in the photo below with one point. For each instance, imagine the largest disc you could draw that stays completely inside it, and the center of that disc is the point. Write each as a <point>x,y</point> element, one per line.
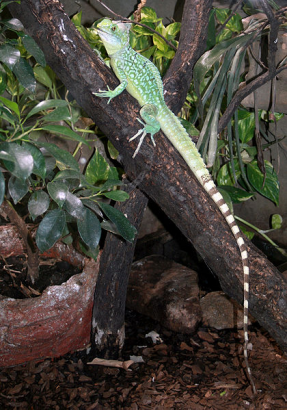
<point>6,267</point>
<point>33,255</point>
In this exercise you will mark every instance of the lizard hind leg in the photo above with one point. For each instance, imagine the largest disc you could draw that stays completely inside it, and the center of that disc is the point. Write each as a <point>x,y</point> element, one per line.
<point>151,125</point>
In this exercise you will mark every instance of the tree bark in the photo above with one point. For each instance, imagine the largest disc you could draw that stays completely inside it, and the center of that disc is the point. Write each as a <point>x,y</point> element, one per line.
<point>108,329</point>
<point>168,181</point>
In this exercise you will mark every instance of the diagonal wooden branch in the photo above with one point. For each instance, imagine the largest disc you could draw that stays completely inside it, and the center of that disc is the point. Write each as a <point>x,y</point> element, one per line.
<point>168,181</point>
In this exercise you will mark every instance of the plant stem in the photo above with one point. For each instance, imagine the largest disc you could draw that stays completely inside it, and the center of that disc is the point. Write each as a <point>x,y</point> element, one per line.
<point>7,210</point>
<point>261,233</point>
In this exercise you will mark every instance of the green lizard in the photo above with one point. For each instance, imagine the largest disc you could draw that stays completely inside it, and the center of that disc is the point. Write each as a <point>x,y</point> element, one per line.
<point>140,77</point>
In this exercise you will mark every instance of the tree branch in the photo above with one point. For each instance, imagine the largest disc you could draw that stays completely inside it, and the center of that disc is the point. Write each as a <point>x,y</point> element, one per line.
<point>192,43</point>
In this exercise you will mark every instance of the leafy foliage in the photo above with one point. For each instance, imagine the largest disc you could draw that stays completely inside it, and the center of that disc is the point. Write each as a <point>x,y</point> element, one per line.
<point>40,175</point>
<point>232,155</point>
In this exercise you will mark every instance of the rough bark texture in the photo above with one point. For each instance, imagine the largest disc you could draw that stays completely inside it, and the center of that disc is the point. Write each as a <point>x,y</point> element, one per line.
<point>191,45</point>
<point>167,181</point>
<point>108,331</point>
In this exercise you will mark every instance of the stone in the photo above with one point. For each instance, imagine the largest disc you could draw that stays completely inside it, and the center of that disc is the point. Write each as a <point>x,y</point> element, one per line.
<point>221,312</point>
<point>165,291</point>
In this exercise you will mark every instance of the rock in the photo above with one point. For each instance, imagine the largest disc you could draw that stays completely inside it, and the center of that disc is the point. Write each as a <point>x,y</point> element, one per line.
<point>221,312</point>
<point>51,325</point>
<point>165,291</point>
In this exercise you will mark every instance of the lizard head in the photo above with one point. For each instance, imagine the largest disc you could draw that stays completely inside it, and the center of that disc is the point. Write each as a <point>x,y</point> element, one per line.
<point>114,35</point>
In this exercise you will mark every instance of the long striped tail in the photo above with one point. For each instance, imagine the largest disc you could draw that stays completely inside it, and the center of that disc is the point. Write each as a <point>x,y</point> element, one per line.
<point>177,135</point>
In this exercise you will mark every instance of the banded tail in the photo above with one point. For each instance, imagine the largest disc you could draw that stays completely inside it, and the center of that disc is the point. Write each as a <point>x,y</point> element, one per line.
<point>177,135</point>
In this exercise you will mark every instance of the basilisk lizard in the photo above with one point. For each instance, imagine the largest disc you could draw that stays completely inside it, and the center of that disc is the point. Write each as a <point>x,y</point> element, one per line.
<point>140,77</point>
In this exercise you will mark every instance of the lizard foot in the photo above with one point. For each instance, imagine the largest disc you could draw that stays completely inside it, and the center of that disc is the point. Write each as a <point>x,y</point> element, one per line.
<point>144,131</point>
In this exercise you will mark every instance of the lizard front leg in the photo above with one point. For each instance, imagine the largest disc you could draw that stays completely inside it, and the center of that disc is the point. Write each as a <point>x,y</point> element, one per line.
<point>112,93</point>
<point>120,72</point>
<point>151,125</point>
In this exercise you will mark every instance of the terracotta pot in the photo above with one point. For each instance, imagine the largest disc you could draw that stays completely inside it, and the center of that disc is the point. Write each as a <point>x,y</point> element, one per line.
<point>51,325</point>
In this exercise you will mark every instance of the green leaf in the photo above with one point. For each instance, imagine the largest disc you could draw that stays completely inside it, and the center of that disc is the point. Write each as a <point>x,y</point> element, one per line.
<point>276,221</point>
<point>77,19</point>
<point>169,54</point>
<point>12,105</point>
<point>2,187</point>
<point>46,105</point>
<point>161,44</point>
<point>222,14</point>
<point>50,229</point>
<point>39,167</point>
<point>172,29</point>
<point>23,162</point>
<point>190,128</point>
<point>89,229</point>
<point>236,194</point>
<point>3,79</point>
<point>62,130</point>
<point>64,158</point>
<point>226,198</point>
<point>9,55</point>
<point>17,188</point>
<point>38,204</point>
<point>124,227</point>
<point>235,23</point>
<point>114,174</point>
<point>149,15</point>
<point>90,253</point>
<point>144,31</point>
<point>93,206</point>
<point>225,175</point>
<point>268,187</point>
<point>246,126</point>
<point>24,73</point>
<point>149,52</point>
<point>5,155</point>
<point>97,169</point>
<point>43,77</point>
<point>59,114</point>
<point>5,114</point>
<point>111,183</point>
<point>14,24</point>
<point>32,48</point>
<point>71,178</point>
<point>73,205</point>
<point>114,153</point>
<point>211,34</point>
<point>119,196</point>
<point>207,60</point>
<point>58,191</point>
<point>224,35</point>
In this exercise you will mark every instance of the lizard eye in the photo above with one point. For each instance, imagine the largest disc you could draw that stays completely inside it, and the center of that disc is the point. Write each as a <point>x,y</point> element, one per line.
<point>114,28</point>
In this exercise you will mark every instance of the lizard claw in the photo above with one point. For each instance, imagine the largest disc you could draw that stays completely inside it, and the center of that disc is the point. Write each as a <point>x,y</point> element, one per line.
<point>143,132</point>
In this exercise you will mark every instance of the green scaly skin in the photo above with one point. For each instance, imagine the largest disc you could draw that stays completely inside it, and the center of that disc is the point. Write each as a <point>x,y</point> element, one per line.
<point>142,80</point>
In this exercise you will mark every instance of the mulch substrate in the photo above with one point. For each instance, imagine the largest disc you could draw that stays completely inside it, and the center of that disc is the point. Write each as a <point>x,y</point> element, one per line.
<point>205,371</point>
